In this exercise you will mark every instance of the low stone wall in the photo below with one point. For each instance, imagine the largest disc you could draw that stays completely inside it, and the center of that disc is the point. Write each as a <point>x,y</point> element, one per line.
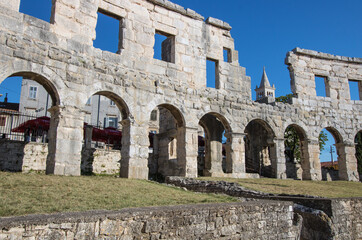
<point>101,161</point>
<point>253,220</point>
<point>341,218</point>
<point>22,156</point>
<point>347,218</point>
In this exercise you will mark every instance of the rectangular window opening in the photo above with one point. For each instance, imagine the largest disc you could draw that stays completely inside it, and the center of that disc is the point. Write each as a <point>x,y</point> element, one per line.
<point>110,122</point>
<point>41,9</point>
<point>212,74</point>
<point>355,89</point>
<point>2,121</point>
<point>108,32</point>
<point>227,54</point>
<point>164,48</point>
<point>32,92</point>
<point>153,115</point>
<point>321,86</point>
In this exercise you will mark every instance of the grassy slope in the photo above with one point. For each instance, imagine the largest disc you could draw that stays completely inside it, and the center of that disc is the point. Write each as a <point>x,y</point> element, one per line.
<point>315,188</point>
<point>37,193</point>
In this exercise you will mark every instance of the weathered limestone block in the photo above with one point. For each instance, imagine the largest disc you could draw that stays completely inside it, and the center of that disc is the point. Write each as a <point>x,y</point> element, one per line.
<point>236,151</point>
<point>310,163</point>
<point>35,156</point>
<point>277,158</point>
<point>13,4</point>
<point>65,141</point>
<point>347,162</point>
<point>134,153</point>
<point>249,220</point>
<point>191,145</point>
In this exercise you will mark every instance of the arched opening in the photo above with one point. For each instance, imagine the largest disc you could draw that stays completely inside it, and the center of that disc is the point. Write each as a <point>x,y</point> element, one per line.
<point>358,142</point>
<point>213,146</point>
<point>260,149</point>
<point>25,122</point>
<point>295,149</point>
<point>103,134</point>
<point>330,146</point>
<point>167,142</point>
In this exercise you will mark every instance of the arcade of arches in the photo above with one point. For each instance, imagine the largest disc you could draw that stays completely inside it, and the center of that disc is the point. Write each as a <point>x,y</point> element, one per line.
<point>241,137</point>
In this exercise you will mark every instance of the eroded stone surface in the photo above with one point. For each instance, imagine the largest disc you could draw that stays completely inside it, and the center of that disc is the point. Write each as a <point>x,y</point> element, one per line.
<point>60,56</point>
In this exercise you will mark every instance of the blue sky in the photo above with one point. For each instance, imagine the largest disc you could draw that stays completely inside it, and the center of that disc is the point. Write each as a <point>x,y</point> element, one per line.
<point>264,31</point>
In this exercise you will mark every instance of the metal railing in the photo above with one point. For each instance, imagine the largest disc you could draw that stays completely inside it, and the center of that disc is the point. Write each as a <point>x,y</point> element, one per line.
<point>14,126</point>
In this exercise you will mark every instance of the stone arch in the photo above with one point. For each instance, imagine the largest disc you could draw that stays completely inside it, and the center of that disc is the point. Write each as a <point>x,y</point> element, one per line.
<point>119,101</point>
<point>296,151</point>
<point>169,143</point>
<point>42,80</point>
<point>260,148</point>
<point>215,159</point>
<point>336,134</point>
<point>110,145</point>
<point>52,87</point>
<point>330,172</point>
<point>45,76</point>
<point>175,112</point>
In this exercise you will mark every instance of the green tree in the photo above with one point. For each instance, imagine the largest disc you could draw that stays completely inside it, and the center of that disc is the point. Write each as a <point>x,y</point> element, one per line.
<point>284,99</point>
<point>358,141</point>
<point>292,140</point>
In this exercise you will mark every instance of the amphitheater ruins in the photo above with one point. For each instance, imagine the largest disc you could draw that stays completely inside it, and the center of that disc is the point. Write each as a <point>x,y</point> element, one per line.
<point>60,56</point>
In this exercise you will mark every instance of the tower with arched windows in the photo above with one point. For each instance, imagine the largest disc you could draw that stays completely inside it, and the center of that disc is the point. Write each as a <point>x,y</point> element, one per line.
<point>265,92</point>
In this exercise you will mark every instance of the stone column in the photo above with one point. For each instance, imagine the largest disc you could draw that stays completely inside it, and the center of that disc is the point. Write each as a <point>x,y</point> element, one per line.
<point>87,153</point>
<point>277,157</point>
<point>65,141</point>
<point>213,147</point>
<point>134,152</point>
<point>310,161</point>
<point>187,145</point>
<point>11,4</point>
<point>347,162</point>
<point>88,137</point>
<point>235,153</point>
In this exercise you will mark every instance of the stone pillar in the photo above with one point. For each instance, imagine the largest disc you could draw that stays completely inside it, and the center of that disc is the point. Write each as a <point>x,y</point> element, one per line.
<point>87,153</point>
<point>235,153</point>
<point>134,153</point>
<point>88,136</point>
<point>347,162</point>
<point>65,141</point>
<point>187,151</point>
<point>277,158</point>
<point>213,147</point>
<point>310,161</point>
<point>11,4</point>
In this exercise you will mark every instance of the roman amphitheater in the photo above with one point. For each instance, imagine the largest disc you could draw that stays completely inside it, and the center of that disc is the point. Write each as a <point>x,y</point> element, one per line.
<point>60,56</point>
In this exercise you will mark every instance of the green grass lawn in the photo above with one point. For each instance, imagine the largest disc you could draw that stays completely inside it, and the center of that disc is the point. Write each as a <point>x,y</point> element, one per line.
<point>22,194</point>
<point>333,189</point>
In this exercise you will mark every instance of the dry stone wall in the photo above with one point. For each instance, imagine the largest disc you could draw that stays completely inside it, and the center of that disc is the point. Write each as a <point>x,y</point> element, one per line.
<point>22,156</point>
<point>101,161</point>
<point>207,221</point>
<point>60,56</point>
<point>323,218</point>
